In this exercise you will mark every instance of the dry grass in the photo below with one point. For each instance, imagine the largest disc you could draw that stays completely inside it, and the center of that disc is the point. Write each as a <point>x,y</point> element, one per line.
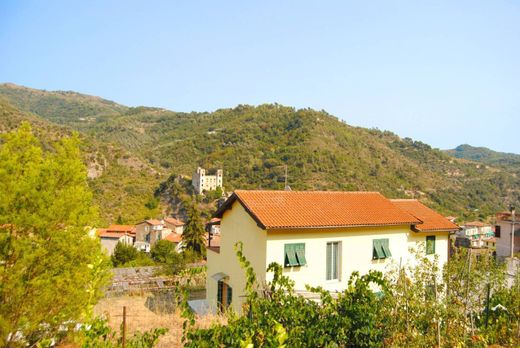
<point>140,318</point>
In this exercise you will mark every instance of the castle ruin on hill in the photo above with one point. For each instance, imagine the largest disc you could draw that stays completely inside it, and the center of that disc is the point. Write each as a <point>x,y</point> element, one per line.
<point>202,182</point>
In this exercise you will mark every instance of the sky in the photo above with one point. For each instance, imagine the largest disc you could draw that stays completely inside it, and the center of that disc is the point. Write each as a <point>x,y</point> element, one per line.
<point>442,72</point>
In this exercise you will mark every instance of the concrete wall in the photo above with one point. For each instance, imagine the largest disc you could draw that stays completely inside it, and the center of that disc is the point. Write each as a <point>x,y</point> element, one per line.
<point>109,244</point>
<point>503,244</point>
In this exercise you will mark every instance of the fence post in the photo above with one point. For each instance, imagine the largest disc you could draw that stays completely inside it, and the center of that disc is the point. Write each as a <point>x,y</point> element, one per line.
<point>124,326</point>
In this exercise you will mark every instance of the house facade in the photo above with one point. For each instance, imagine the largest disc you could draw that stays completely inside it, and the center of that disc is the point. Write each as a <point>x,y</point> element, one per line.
<point>475,234</point>
<point>202,182</point>
<point>148,232</point>
<point>114,234</point>
<point>174,225</point>
<point>504,226</point>
<point>319,238</point>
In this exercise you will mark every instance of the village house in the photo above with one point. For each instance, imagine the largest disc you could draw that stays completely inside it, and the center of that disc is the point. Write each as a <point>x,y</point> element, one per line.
<point>474,234</point>
<point>174,225</point>
<point>202,182</point>
<point>504,226</point>
<point>114,234</point>
<point>148,232</point>
<point>319,238</point>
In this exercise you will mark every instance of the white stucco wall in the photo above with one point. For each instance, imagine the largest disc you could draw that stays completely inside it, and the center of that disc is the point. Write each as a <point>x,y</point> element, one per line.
<point>356,252</point>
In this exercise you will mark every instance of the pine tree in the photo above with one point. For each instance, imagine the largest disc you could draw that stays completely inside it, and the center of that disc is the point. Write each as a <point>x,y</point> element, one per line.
<point>194,235</point>
<point>51,270</point>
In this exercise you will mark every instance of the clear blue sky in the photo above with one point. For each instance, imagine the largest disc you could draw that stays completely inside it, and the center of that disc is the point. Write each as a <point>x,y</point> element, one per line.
<point>443,72</point>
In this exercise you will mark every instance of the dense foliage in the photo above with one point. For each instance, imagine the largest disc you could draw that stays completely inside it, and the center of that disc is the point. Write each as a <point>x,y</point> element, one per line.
<point>51,270</point>
<point>123,185</point>
<point>486,156</point>
<point>408,307</point>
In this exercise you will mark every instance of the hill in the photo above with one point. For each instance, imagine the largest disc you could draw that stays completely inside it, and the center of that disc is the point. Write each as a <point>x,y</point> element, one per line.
<point>59,106</point>
<point>123,185</point>
<point>485,155</point>
<point>254,143</point>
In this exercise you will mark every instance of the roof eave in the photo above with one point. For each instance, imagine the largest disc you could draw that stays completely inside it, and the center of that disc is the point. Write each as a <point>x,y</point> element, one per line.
<point>404,223</point>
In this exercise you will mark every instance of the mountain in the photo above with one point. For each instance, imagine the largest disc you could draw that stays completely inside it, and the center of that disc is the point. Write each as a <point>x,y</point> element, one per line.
<point>254,143</point>
<point>123,184</point>
<point>485,155</point>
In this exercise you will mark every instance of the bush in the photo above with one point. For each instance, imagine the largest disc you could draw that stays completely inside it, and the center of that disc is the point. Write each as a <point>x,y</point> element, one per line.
<point>123,254</point>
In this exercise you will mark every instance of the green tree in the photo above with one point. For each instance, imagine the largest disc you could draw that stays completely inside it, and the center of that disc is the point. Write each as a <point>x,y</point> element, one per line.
<point>123,254</point>
<point>162,251</point>
<point>193,236</point>
<point>51,270</point>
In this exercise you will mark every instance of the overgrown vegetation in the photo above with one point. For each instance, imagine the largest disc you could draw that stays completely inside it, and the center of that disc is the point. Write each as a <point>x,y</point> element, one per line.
<point>123,185</point>
<point>408,307</point>
<point>51,270</point>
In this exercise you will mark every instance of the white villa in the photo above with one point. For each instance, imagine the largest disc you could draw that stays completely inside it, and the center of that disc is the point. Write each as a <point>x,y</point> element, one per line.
<point>202,182</point>
<point>319,237</point>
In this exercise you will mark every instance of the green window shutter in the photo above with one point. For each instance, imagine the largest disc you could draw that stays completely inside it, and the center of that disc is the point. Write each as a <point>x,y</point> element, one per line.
<point>300,253</point>
<point>378,252</point>
<point>430,245</point>
<point>290,256</point>
<point>386,247</point>
<point>335,260</point>
<point>329,261</point>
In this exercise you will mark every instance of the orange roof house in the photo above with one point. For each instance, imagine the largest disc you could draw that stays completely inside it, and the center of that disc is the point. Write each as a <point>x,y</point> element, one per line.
<point>319,238</point>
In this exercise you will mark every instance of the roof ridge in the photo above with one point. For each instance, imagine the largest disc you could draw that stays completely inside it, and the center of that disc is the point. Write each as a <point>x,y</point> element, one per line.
<point>311,192</point>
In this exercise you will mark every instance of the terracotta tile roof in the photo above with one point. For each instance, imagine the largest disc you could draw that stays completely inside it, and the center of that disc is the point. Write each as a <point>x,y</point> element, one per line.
<point>106,233</point>
<point>154,222</point>
<point>315,209</point>
<point>121,228</point>
<point>174,221</point>
<point>432,221</point>
<point>214,221</point>
<point>174,237</point>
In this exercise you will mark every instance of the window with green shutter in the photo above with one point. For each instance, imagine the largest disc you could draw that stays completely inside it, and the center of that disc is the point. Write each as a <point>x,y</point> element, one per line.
<point>430,245</point>
<point>381,249</point>
<point>332,261</point>
<point>295,255</point>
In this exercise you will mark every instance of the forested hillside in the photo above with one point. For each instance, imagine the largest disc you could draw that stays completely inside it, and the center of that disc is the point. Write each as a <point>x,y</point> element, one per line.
<point>123,185</point>
<point>486,156</point>
<point>253,144</point>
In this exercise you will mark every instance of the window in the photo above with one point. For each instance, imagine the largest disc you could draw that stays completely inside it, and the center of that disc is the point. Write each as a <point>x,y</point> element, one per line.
<point>380,249</point>
<point>294,255</point>
<point>497,231</point>
<point>224,295</point>
<point>332,260</point>
<point>147,238</point>
<point>430,245</point>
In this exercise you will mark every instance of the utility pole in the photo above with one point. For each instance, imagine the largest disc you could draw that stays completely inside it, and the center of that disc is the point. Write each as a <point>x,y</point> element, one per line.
<point>512,210</point>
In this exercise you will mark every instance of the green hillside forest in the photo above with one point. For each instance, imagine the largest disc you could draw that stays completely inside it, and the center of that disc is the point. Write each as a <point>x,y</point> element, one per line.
<point>487,156</point>
<point>138,148</point>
